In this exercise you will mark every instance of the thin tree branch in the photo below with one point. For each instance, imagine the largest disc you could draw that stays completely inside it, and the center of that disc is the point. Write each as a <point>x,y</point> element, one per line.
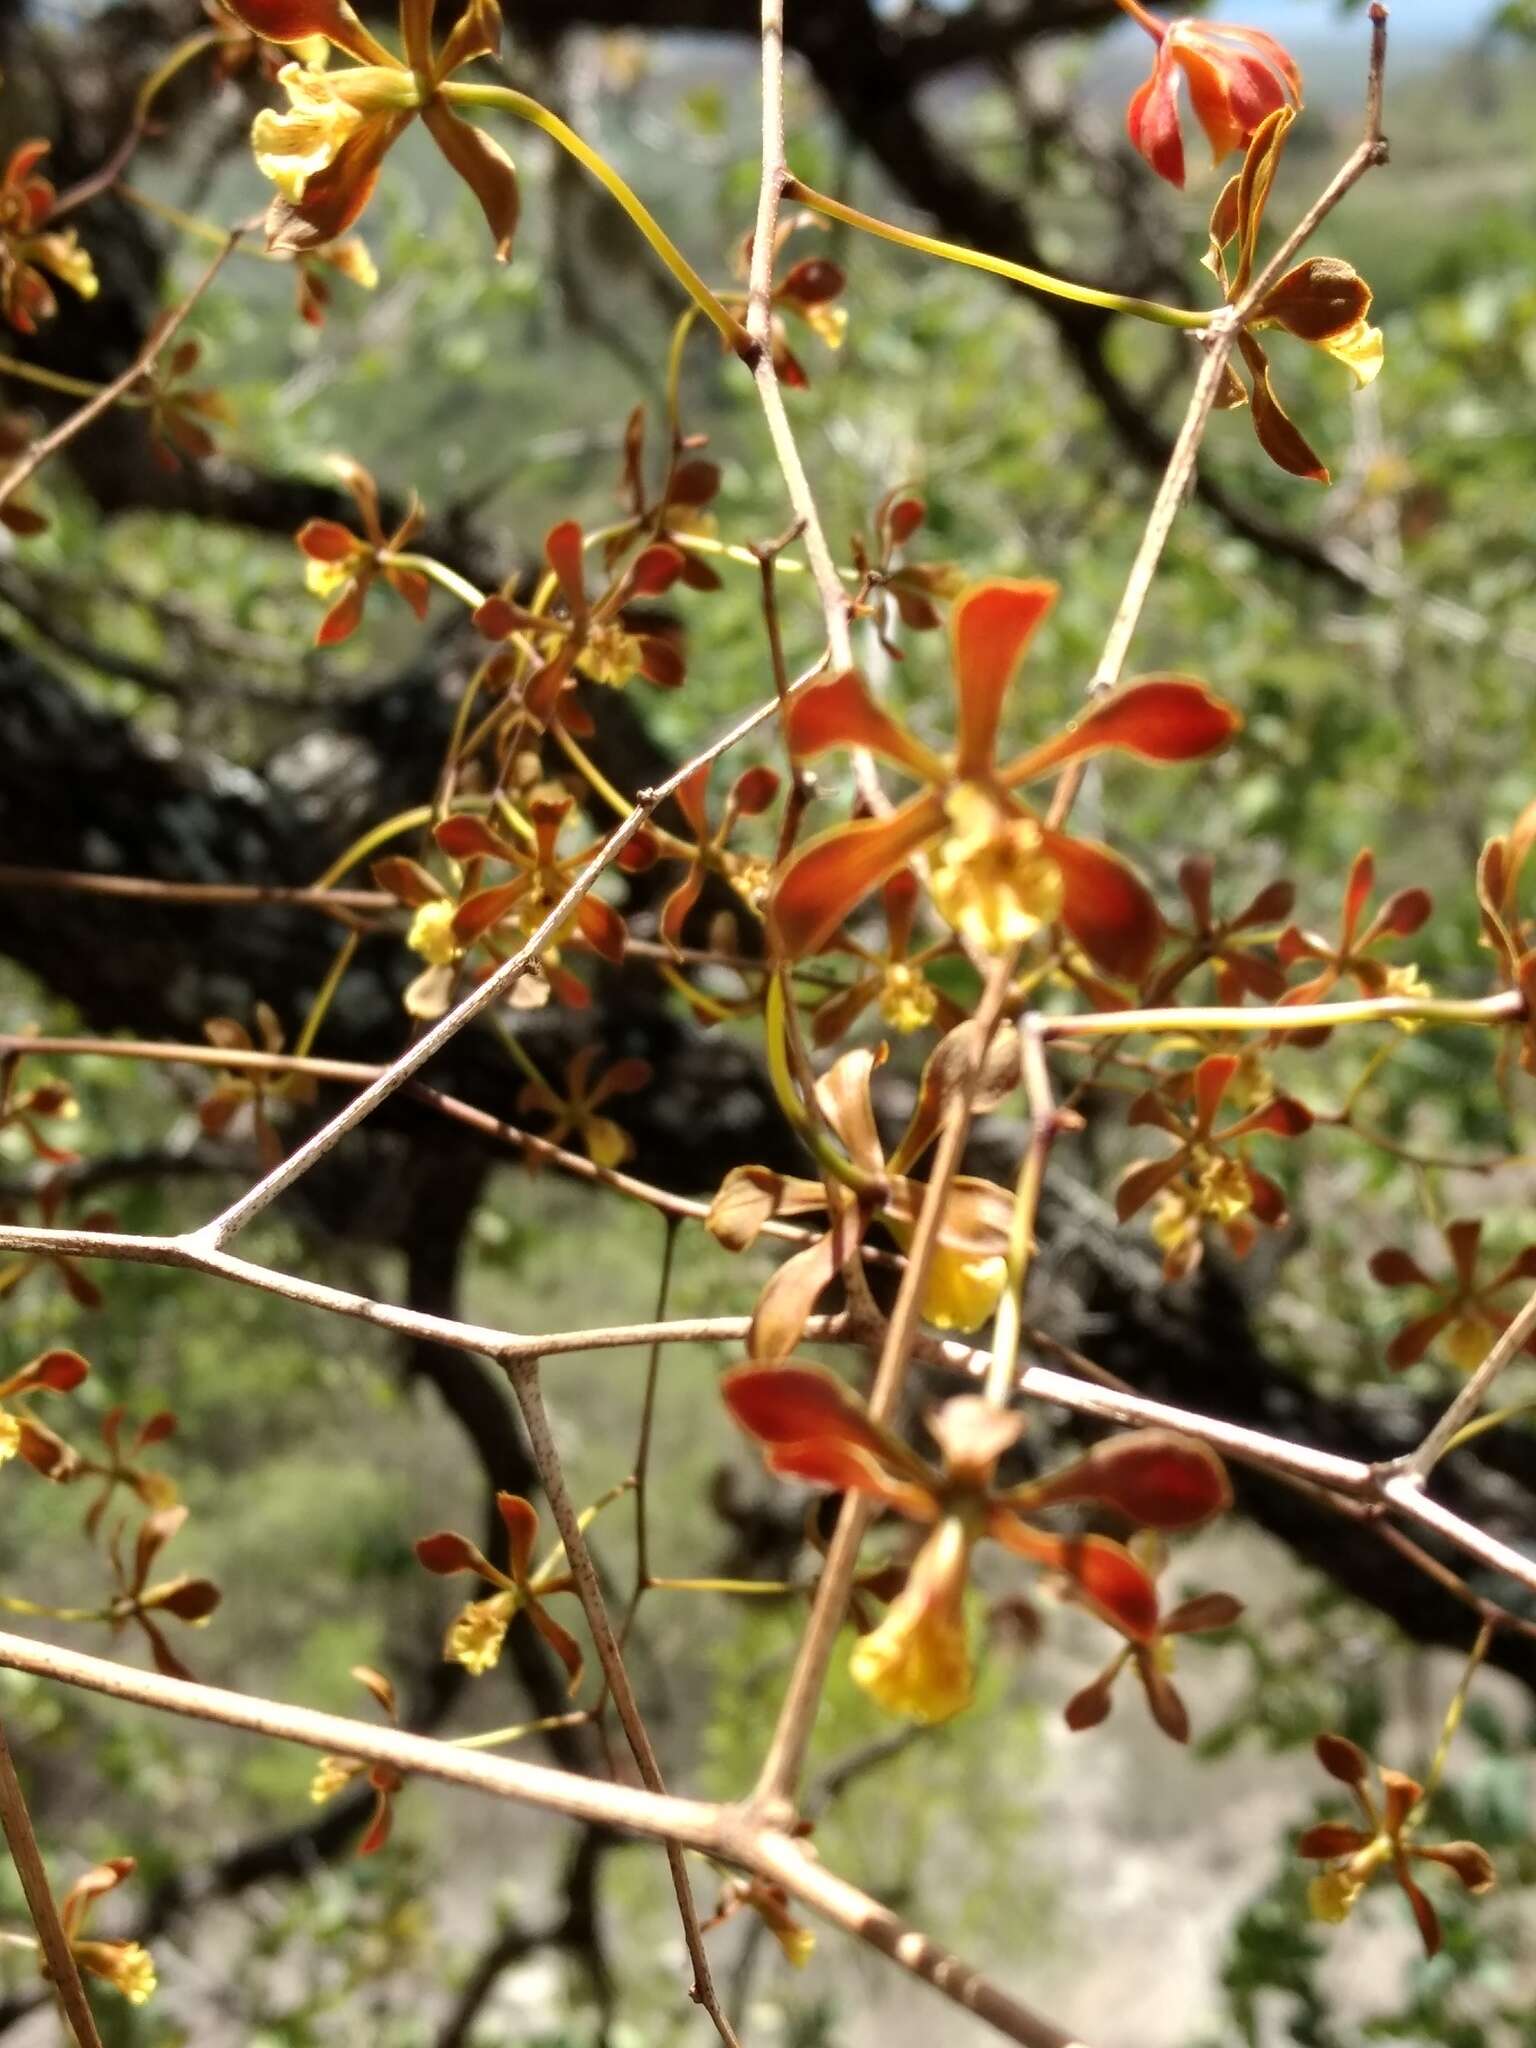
<point>530,1398</point>
<point>27,1857</point>
<point>1510,1342</point>
<point>66,431</point>
<point>718,1831</point>
<point>775,171</point>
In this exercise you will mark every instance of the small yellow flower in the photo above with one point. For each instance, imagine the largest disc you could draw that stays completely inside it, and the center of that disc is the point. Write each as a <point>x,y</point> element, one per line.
<point>1467,1341</point>
<point>611,656</point>
<point>829,324</point>
<point>918,1661</point>
<point>126,1965</point>
<point>332,1775</point>
<point>992,881</point>
<point>1331,1896</point>
<point>10,1436</point>
<point>477,1632</point>
<point>963,1291</point>
<point>606,1142</point>
<point>797,1942</point>
<point>1252,1085</point>
<point>324,579</point>
<point>1221,1190</point>
<point>324,113</point>
<point>751,876</point>
<point>431,934</point>
<point>908,1001</point>
<point>351,257</point>
<point>691,521</point>
<point>1360,349</point>
<point>60,252</point>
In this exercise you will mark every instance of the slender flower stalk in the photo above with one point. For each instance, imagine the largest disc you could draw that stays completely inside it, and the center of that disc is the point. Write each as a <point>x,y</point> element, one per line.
<point>509,101</point>
<point>998,266</point>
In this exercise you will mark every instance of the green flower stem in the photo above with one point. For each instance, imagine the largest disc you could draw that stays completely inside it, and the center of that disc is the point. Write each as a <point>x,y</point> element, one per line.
<point>189,224</point>
<point>436,572</point>
<point>55,380</point>
<point>519,104</point>
<point>495,1738</point>
<point>1452,1722</point>
<point>827,1155</point>
<point>1495,1419</point>
<point>621,806</point>
<point>1494,1010</point>
<point>999,266</point>
<point>325,995</point>
<point>522,1058</point>
<point>14,1603</point>
<point>686,322</point>
<point>775,1587</point>
<point>375,837</point>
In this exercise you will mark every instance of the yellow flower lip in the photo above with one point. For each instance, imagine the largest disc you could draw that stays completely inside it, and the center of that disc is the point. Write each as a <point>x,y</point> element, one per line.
<point>611,656</point>
<point>478,1631</point>
<point>431,934</point>
<point>1331,1896</point>
<point>126,1965</point>
<point>908,1002</point>
<point>963,1290</point>
<point>325,111</point>
<point>917,1663</point>
<point>993,881</point>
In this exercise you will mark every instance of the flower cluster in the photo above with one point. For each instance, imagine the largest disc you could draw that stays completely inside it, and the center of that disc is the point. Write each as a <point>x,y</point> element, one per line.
<point>1208,1176</point>
<point>30,251</point>
<point>917,1662</point>
<point>494,918</point>
<point>1467,1317</point>
<point>998,874</point>
<point>325,152</point>
<point>969,1266</point>
<point>1355,1855</point>
<point>478,1630</point>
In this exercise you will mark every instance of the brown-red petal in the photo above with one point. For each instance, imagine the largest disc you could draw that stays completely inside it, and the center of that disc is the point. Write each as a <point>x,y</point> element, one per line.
<point>991,626</point>
<point>1469,1860</point>
<point>842,713</point>
<point>1105,1573</point>
<point>1106,906</point>
<point>445,1552</point>
<point>1330,1839</point>
<point>1156,1479</point>
<point>793,1404</point>
<point>1342,1759</point>
<point>485,168</point>
<point>336,196</point>
<point>831,875</point>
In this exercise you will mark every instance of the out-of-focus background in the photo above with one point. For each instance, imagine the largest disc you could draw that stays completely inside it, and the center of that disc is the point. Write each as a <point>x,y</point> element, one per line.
<point>161,712</point>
